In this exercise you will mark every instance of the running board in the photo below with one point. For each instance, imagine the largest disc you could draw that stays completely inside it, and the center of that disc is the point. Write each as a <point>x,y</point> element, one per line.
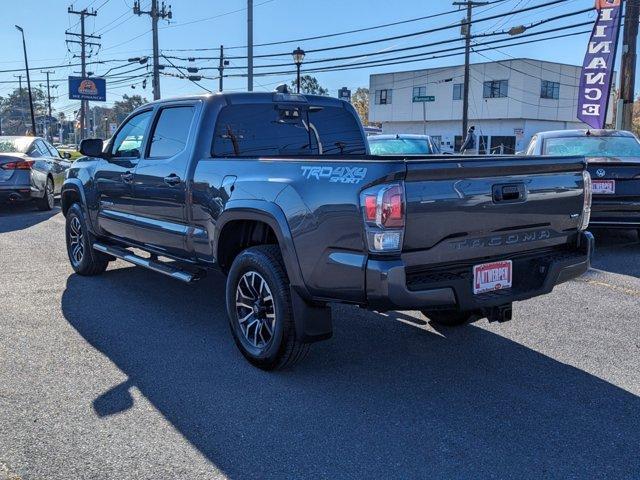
<point>154,265</point>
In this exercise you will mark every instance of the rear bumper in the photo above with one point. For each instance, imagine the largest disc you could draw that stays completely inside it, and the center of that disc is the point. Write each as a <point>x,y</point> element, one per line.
<point>393,286</point>
<point>18,193</point>
<point>615,213</point>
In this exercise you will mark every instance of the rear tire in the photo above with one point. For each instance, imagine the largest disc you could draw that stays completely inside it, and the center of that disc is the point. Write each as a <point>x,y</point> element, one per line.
<point>84,259</point>
<point>449,318</point>
<point>260,310</point>
<point>47,201</point>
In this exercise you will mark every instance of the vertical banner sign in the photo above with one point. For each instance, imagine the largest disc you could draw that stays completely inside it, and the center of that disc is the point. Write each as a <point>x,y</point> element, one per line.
<point>597,69</point>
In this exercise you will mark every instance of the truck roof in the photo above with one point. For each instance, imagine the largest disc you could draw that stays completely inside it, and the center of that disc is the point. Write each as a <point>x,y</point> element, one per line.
<point>253,97</point>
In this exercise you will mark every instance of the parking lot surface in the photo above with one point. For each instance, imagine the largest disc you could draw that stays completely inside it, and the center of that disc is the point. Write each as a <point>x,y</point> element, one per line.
<point>133,375</point>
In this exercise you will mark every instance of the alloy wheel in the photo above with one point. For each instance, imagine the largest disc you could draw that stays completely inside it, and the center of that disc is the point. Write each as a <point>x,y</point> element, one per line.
<point>76,244</point>
<point>49,193</point>
<point>255,310</point>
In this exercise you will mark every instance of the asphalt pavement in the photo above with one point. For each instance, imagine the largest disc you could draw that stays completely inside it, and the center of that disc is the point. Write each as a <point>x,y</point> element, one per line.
<point>131,375</point>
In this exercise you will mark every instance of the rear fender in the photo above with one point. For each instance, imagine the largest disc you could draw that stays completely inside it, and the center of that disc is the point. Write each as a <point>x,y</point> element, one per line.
<point>313,323</point>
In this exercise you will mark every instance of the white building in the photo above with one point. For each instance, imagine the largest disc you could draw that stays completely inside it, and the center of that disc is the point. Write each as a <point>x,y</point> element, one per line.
<point>509,101</point>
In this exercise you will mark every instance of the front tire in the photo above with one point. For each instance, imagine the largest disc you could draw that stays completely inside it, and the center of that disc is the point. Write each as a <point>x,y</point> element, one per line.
<point>47,201</point>
<point>84,259</point>
<point>449,318</point>
<point>260,311</point>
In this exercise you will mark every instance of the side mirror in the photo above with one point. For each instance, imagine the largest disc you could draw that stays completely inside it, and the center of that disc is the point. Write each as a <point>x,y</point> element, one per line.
<point>66,155</point>
<point>92,147</point>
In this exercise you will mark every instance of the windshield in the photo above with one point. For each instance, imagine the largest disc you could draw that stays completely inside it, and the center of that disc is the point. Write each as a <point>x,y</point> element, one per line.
<point>14,145</point>
<point>593,146</point>
<point>400,146</point>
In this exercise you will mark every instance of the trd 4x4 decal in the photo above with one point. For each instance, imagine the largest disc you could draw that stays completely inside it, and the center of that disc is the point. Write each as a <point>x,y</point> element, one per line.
<point>351,175</point>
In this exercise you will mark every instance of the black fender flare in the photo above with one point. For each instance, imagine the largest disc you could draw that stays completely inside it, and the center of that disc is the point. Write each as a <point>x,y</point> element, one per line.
<point>74,185</point>
<point>313,323</point>
<point>272,215</point>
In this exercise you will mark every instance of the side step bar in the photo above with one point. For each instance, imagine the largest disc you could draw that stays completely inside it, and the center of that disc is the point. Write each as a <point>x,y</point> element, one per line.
<point>154,265</point>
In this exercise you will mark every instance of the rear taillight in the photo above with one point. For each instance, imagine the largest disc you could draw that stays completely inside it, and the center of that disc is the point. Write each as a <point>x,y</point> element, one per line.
<point>585,218</point>
<point>384,212</point>
<point>21,165</point>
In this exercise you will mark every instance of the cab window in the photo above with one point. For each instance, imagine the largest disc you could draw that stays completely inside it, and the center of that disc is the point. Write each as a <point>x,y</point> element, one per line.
<point>171,131</point>
<point>129,139</point>
<point>272,129</point>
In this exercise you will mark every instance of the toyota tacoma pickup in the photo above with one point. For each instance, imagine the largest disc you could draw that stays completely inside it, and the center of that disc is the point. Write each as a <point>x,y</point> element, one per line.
<point>280,192</point>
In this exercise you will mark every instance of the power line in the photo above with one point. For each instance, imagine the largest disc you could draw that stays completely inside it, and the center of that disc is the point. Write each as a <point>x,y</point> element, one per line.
<point>425,55</point>
<point>349,32</point>
<point>414,34</point>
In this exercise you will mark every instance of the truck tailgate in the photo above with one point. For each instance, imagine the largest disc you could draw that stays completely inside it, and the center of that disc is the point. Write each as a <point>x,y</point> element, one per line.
<point>463,208</point>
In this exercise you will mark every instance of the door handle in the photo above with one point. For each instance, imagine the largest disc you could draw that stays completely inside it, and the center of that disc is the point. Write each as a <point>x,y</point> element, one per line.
<point>172,180</point>
<point>127,177</point>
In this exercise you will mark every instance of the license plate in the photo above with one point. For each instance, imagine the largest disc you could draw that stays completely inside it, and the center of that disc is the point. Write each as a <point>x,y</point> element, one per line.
<point>489,277</point>
<point>604,187</point>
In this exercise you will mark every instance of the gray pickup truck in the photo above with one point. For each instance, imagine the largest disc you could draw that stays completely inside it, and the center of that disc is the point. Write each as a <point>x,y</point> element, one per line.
<point>280,192</point>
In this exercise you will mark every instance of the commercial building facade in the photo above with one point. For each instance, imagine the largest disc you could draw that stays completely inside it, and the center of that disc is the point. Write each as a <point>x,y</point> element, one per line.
<point>509,102</point>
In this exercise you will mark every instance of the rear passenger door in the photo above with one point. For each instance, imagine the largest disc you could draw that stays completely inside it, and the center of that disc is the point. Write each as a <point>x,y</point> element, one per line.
<point>160,183</point>
<point>59,166</point>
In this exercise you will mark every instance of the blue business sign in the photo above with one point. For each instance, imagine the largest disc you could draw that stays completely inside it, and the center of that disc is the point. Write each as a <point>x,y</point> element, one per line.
<point>94,89</point>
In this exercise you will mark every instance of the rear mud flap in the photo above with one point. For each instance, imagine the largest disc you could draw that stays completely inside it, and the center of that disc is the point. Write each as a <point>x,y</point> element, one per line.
<point>313,323</point>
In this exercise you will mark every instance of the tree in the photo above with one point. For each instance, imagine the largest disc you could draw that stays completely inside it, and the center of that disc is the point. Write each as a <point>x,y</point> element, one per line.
<point>360,101</point>
<point>310,86</point>
<point>124,107</point>
<point>15,112</point>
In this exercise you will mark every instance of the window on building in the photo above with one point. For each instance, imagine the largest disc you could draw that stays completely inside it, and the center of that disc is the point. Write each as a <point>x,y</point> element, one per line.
<point>457,143</point>
<point>457,91</point>
<point>171,132</point>
<point>503,145</point>
<point>550,90</point>
<point>419,92</point>
<point>383,97</point>
<point>496,89</point>
<point>257,130</point>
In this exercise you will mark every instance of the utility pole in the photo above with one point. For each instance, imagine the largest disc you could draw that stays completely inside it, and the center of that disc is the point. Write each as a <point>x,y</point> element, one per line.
<point>223,63</point>
<point>628,73</point>
<point>466,31</point>
<point>250,45</point>
<point>47,73</point>
<point>83,58</point>
<point>156,14</point>
<point>19,77</point>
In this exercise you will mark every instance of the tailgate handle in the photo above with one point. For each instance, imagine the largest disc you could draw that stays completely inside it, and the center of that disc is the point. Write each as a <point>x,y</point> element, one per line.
<point>509,193</point>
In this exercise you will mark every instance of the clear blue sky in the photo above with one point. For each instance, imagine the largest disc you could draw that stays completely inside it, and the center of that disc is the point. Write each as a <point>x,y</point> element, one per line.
<point>208,23</point>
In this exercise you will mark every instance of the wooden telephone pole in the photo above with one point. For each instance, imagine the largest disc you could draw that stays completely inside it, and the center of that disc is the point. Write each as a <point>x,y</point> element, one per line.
<point>83,59</point>
<point>466,31</point>
<point>156,13</point>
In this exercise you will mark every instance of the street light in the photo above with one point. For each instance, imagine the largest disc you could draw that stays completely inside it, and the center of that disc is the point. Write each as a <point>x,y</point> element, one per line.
<point>26,66</point>
<point>298,58</point>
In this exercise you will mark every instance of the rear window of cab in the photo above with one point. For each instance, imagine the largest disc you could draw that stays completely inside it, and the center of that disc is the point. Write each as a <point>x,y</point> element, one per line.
<point>259,130</point>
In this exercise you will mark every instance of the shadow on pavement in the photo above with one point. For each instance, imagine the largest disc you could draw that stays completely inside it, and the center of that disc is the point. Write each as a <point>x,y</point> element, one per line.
<point>381,399</point>
<point>617,251</point>
<point>23,215</point>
